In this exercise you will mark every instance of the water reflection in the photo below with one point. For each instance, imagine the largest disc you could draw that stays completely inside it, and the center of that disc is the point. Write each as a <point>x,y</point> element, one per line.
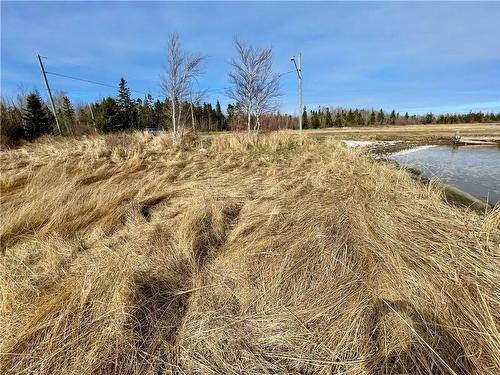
<point>474,169</point>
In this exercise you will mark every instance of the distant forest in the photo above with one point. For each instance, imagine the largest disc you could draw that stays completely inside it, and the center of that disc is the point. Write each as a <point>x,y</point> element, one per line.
<point>29,116</point>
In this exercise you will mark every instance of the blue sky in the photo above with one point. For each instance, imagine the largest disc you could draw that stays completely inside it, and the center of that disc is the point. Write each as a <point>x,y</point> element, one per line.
<point>416,57</point>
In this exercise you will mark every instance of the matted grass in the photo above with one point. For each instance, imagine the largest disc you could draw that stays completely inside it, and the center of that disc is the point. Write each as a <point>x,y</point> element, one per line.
<point>123,255</point>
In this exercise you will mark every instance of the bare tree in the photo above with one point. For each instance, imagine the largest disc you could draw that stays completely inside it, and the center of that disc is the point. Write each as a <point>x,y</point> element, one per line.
<point>254,86</point>
<point>242,79</point>
<point>267,90</point>
<point>182,70</point>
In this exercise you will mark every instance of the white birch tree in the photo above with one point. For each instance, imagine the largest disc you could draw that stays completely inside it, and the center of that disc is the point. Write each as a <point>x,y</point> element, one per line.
<point>253,84</point>
<point>181,72</point>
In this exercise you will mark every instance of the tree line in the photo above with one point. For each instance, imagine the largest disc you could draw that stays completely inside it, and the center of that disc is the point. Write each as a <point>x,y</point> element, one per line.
<point>30,116</point>
<point>329,117</point>
<point>254,89</point>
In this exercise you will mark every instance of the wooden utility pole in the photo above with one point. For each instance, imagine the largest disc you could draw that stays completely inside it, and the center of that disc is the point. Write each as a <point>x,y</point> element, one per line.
<point>49,93</point>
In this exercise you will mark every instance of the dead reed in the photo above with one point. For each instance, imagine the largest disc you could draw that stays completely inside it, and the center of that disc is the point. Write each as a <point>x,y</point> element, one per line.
<point>122,254</point>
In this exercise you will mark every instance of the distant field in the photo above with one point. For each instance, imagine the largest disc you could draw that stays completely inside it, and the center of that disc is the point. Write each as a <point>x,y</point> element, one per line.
<point>438,132</point>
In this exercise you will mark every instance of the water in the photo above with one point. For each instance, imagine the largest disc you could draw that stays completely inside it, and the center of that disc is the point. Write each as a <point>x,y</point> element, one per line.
<point>474,169</point>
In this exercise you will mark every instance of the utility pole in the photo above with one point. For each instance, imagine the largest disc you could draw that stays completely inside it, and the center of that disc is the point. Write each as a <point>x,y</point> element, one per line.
<point>299,74</point>
<point>49,93</point>
<point>300,92</point>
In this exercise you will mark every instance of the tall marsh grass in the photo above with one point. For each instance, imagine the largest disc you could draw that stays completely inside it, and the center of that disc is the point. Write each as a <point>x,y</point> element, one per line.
<point>124,255</point>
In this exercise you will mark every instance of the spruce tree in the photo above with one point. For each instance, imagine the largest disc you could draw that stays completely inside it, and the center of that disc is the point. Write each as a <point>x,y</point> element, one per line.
<point>159,110</point>
<point>126,106</point>
<point>392,117</point>
<point>68,113</point>
<point>305,122</point>
<point>429,118</point>
<point>338,120</point>
<point>380,117</point>
<point>358,117</point>
<point>315,123</point>
<point>124,100</point>
<point>350,117</point>
<point>145,112</point>
<point>219,116</point>
<point>328,118</point>
<point>108,117</point>
<point>37,119</point>
<point>372,118</point>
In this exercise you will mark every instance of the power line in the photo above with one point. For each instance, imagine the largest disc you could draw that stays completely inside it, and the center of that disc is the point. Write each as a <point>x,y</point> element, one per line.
<point>115,87</point>
<point>222,89</point>
<point>282,74</point>
<point>93,82</point>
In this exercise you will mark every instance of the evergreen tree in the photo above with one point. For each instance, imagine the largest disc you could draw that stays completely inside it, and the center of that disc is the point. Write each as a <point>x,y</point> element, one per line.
<point>428,119</point>
<point>372,118</point>
<point>350,117</point>
<point>146,112</point>
<point>328,118</point>
<point>108,117</point>
<point>124,99</point>
<point>338,120</point>
<point>407,116</point>
<point>68,113</point>
<point>220,118</point>
<point>392,117</point>
<point>159,109</point>
<point>37,119</point>
<point>126,106</point>
<point>305,122</point>
<point>380,117</point>
<point>315,122</point>
<point>358,118</point>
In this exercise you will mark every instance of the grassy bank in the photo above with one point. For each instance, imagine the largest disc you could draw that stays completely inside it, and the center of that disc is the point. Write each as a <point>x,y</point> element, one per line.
<point>121,254</point>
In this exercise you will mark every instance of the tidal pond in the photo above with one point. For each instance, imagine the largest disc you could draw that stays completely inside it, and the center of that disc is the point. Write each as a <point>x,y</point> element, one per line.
<point>474,169</point>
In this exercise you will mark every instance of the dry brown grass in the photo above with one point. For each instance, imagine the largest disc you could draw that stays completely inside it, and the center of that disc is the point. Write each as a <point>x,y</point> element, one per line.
<point>123,255</point>
<point>425,133</point>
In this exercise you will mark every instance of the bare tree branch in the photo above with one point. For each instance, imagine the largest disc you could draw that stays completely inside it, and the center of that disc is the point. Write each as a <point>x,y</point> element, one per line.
<point>254,85</point>
<point>181,72</point>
